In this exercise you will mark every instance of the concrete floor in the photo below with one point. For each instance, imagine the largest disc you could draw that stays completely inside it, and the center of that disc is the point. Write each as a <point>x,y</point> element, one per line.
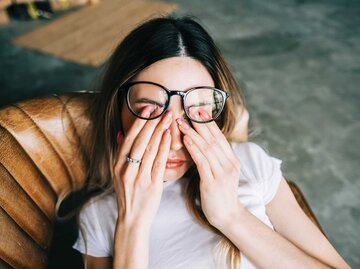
<point>298,62</point>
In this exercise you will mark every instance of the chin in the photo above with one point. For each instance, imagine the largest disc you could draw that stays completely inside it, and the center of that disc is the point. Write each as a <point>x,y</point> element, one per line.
<point>175,174</point>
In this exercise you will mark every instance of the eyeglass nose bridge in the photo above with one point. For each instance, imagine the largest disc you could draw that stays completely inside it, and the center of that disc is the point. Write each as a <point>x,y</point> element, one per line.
<point>180,93</point>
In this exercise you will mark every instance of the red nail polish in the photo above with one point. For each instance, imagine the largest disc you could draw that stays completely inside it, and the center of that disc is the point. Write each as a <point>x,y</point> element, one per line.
<point>204,114</point>
<point>118,136</point>
<point>167,135</point>
<point>147,111</point>
<point>167,115</point>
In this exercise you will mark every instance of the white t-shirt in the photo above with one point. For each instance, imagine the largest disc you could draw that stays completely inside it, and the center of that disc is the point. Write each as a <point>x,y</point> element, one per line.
<point>177,241</point>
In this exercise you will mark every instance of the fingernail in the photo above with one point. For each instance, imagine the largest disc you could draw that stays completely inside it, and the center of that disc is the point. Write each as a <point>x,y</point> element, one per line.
<point>182,123</point>
<point>167,135</point>
<point>118,136</point>
<point>194,113</point>
<point>167,116</point>
<point>146,111</point>
<point>204,114</point>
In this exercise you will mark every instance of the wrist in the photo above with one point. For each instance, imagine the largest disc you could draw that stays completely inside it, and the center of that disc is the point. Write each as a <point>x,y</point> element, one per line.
<point>132,227</point>
<point>234,220</point>
<point>131,241</point>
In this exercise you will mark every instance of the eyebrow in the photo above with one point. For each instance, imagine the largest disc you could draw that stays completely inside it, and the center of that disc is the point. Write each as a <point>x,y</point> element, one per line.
<point>146,100</point>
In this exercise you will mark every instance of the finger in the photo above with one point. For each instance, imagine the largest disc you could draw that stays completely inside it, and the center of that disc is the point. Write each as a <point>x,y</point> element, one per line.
<point>159,164</point>
<point>204,129</point>
<point>134,130</point>
<point>199,159</point>
<point>142,141</point>
<point>153,146</point>
<point>127,141</point>
<point>206,148</point>
<point>224,150</point>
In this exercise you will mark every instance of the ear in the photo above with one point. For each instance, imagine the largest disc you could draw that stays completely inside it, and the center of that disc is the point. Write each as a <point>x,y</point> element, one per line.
<point>240,133</point>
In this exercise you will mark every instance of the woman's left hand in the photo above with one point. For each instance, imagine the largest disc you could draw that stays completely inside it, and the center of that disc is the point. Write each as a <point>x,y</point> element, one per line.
<point>218,167</point>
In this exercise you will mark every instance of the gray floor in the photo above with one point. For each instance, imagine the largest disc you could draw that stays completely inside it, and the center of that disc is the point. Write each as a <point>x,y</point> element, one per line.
<point>298,62</point>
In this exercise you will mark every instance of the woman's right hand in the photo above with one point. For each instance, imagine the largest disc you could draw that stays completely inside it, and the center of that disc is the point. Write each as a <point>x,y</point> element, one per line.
<point>139,186</point>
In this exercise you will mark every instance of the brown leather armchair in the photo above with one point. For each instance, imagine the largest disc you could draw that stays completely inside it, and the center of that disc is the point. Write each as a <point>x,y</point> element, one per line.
<point>42,159</point>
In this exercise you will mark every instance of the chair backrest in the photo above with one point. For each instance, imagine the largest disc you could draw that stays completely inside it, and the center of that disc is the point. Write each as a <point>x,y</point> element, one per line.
<point>42,159</point>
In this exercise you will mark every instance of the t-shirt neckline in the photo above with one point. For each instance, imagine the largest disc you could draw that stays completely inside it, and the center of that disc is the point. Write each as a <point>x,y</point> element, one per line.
<point>171,183</point>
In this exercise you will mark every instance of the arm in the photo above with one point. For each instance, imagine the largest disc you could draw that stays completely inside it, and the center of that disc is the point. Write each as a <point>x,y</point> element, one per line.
<point>299,244</point>
<point>219,171</point>
<point>263,246</point>
<point>299,229</point>
<point>131,242</point>
<point>138,188</point>
<point>91,262</point>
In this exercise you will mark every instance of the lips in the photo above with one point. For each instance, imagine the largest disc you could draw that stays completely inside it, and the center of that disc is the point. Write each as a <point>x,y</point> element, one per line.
<point>174,163</point>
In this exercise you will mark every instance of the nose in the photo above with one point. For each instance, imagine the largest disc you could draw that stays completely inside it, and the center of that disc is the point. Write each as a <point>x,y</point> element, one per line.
<point>176,135</point>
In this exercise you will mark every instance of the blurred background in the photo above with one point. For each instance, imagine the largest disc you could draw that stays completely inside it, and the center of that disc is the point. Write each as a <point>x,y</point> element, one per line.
<point>297,61</point>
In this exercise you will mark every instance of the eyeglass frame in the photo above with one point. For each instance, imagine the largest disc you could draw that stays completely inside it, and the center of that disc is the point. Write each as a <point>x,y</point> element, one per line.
<point>126,87</point>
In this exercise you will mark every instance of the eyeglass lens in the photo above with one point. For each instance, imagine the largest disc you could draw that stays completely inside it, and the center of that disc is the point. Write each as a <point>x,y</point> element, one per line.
<point>142,94</point>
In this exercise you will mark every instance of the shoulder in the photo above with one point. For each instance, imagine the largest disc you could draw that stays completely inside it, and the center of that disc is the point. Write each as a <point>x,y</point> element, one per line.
<point>98,205</point>
<point>248,149</point>
<point>96,221</point>
<point>254,159</point>
<point>98,215</point>
<point>259,168</point>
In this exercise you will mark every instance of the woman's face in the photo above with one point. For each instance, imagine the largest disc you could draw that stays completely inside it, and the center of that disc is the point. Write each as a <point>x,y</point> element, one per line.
<point>176,73</point>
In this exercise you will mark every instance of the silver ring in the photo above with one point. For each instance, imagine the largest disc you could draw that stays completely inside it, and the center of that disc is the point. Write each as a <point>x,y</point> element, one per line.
<point>131,160</point>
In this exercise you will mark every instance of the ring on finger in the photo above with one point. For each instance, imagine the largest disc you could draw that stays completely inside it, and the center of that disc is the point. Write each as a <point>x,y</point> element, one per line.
<point>131,160</point>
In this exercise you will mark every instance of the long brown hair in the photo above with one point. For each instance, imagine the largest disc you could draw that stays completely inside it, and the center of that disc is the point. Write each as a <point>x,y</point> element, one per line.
<point>154,40</point>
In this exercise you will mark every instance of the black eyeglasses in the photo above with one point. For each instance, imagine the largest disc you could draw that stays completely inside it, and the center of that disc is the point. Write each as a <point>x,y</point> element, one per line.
<point>140,94</point>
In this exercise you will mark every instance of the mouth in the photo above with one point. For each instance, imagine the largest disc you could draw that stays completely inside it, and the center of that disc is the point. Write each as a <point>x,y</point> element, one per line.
<point>171,164</point>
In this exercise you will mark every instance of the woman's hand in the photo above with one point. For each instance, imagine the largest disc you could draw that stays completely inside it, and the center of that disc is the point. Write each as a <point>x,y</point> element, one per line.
<point>139,186</point>
<point>218,167</point>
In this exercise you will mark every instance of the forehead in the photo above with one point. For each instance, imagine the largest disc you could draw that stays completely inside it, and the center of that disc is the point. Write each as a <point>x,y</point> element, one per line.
<point>177,73</point>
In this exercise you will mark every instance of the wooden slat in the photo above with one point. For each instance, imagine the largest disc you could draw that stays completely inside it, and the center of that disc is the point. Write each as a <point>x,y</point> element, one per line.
<point>4,4</point>
<point>4,17</point>
<point>19,206</point>
<point>89,35</point>
<point>114,29</point>
<point>16,248</point>
<point>61,27</point>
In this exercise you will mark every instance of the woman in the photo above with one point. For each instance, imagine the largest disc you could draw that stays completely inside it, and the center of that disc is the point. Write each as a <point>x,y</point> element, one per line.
<point>175,190</point>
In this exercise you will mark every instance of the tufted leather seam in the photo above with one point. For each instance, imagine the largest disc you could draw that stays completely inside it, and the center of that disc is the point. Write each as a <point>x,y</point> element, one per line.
<point>4,263</point>
<point>50,223</point>
<point>42,212</point>
<point>43,178</point>
<point>48,140</point>
<point>74,126</point>
<point>23,232</point>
